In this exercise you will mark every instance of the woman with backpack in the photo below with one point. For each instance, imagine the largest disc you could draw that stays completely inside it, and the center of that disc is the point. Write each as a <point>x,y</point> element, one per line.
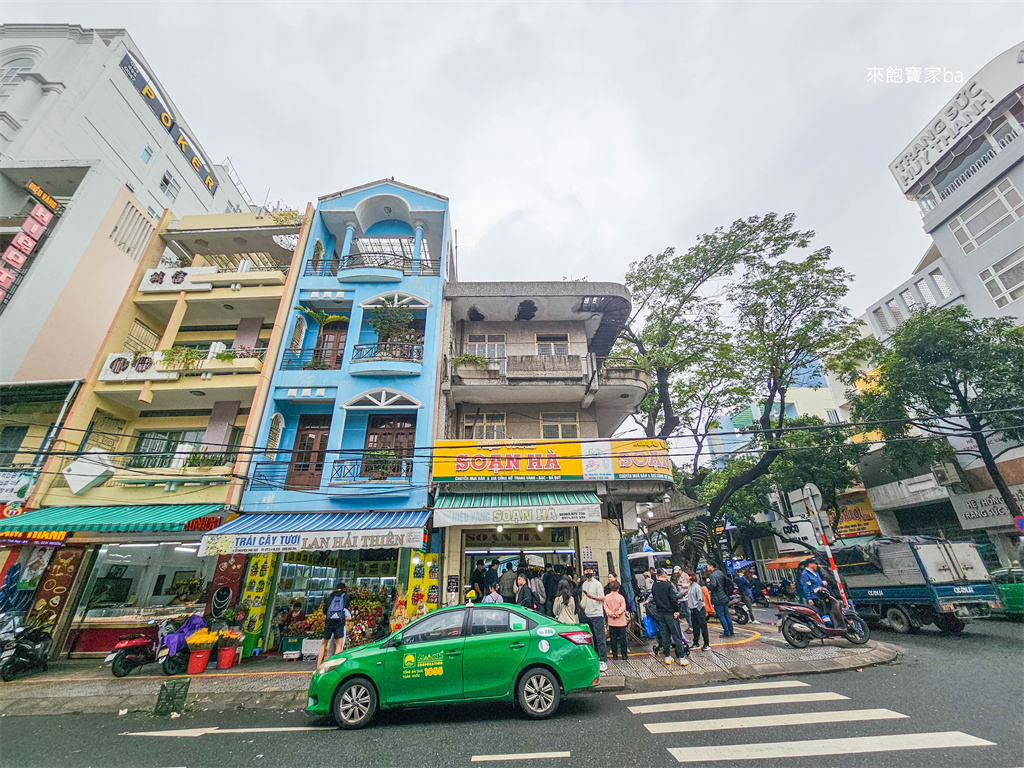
<point>564,606</point>
<point>335,607</point>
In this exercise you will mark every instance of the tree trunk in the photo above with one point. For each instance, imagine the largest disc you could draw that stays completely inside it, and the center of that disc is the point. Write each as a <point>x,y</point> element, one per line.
<point>992,466</point>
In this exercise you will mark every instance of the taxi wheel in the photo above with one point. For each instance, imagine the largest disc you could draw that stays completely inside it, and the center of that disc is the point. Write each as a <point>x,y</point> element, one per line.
<point>538,693</point>
<point>355,704</point>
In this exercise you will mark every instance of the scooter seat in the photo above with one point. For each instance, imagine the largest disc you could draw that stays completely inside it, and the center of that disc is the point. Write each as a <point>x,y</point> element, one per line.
<point>134,637</point>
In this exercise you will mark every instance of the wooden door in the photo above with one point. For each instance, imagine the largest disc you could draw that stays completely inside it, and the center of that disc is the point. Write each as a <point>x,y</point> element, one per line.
<point>309,452</point>
<point>330,345</point>
<point>396,433</point>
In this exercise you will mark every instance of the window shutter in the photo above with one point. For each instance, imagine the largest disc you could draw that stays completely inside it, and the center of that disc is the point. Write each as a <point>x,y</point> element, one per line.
<point>299,333</point>
<point>274,436</point>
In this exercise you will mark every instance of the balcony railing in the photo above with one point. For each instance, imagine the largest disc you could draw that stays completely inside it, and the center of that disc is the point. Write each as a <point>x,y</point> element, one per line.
<point>308,471</point>
<point>397,262</point>
<point>978,164</point>
<point>388,350</point>
<point>174,460</point>
<point>311,359</point>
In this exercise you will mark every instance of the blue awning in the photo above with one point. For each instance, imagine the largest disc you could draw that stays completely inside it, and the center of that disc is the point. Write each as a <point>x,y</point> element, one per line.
<point>317,531</point>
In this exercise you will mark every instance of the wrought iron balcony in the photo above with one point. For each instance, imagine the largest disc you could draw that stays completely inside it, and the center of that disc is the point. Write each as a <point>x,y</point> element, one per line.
<point>389,350</point>
<point>308,470</point>
<point>391,261</point>
<point>311,359</point>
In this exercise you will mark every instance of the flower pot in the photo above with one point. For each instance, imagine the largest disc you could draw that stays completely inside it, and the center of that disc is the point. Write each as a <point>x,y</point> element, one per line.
<point>226,657</point>
<point>197,661</point>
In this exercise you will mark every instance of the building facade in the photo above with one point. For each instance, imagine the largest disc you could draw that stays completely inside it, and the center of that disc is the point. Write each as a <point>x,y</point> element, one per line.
<point>965,172</point>
<point>85,123</point>
<point>340,490</point>
<point>526,468</point>
<point>148,456</point>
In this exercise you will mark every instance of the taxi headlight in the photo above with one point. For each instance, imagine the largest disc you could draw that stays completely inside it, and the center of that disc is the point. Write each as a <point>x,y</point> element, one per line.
<point>330,664</point>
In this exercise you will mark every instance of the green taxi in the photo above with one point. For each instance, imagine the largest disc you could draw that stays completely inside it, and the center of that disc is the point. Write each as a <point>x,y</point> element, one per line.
<point>489,652</point>
<point>1010,585</point>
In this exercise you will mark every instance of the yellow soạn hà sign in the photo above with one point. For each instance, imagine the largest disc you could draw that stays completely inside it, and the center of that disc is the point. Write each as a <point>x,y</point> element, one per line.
<point>517,460</point>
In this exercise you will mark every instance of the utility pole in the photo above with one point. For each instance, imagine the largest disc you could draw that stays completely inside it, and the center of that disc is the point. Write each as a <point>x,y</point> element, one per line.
<point>812,498</point>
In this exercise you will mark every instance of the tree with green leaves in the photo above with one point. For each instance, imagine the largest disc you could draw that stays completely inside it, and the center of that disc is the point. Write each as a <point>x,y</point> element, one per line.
<point>942,374</point>
<point>736,318</point>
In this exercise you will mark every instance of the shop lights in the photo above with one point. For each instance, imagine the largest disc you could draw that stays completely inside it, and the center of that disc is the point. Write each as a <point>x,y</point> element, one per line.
<point>154,544</point>
<point>540,527</point>
<point>190,550</point>
<point>416,560</point>
<point>501,528</point>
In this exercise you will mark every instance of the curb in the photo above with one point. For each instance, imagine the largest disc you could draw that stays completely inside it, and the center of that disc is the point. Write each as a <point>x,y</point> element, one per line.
<point>874,653</point>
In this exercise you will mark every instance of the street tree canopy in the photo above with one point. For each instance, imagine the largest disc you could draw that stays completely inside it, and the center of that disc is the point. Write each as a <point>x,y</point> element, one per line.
<point>737,318</point>
<point>942,374</point>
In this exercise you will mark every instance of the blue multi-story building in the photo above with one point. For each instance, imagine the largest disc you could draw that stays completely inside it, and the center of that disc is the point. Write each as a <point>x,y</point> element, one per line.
<point>343,459</point>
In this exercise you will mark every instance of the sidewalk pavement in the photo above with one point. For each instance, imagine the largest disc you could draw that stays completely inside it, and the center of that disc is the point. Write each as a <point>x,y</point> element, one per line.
<point>267,682</point>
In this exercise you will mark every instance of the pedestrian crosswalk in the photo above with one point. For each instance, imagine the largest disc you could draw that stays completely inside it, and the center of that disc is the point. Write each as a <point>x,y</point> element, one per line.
<point>786,701</point>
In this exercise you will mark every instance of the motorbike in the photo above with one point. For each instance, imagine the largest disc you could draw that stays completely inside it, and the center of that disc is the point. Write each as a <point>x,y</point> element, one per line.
<point>799,624</point>
<point>739,611</point>
<point>783,589</point>
<point>25,652</point>
<point>760,595</point>
<point>137,650</point>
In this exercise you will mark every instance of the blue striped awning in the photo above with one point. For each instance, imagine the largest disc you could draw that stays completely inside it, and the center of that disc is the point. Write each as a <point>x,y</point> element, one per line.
<point>317,531</point>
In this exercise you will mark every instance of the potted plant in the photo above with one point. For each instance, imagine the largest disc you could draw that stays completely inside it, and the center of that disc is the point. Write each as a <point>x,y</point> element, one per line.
<point>200,643</point>
<point>381,464</point>
<point>204,461</point>
<point>182,358</point>
<point>391,322</point>
<point>228,643</point>
<point>227,356</point>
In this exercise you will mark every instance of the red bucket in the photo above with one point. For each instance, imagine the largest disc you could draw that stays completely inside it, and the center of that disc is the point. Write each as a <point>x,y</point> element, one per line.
<point>225,658</point>
<point>197,661</point>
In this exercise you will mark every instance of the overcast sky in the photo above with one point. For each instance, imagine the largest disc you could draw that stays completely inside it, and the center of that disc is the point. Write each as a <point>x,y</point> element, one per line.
<point>573,138</point>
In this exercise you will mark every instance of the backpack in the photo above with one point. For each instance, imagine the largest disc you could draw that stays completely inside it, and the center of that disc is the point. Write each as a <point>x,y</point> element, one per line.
<point>336,610</point>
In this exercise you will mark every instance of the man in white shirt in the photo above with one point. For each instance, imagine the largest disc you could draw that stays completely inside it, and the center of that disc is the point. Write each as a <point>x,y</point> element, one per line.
<point>592,601</point>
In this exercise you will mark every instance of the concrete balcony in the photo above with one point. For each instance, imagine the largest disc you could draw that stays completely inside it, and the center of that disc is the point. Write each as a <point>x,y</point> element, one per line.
<point>371,268</point>
<point>524,379</point>
<point>173,469</point>
<point>130,366</point>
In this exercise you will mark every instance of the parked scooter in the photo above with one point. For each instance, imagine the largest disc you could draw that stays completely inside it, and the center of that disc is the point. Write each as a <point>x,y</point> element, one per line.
<point>137,650</point>
<point>739,611</point>
<point>800,624</point>
<point>783,589</point>
<point>25,652</point>
<point>760,595</point>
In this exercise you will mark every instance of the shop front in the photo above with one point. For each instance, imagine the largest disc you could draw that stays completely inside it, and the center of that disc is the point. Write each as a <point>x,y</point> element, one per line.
<point>108,571</point>
<point>378,556</point>
<point>556,505</point>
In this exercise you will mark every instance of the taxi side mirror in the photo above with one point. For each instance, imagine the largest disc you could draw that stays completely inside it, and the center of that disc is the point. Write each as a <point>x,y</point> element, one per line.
<point>397,639</point>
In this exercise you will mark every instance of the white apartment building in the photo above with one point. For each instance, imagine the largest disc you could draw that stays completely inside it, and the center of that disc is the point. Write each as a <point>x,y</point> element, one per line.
<point>88,132</point>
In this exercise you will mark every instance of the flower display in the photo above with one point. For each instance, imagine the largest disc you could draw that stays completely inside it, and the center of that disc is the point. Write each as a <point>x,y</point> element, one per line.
<point>202,640</point>
<point>229,638</point>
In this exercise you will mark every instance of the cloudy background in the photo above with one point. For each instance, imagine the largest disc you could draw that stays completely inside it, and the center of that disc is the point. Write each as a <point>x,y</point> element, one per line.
<point>573,138</point>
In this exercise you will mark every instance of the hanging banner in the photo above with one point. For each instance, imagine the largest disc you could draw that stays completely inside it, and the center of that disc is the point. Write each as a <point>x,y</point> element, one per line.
<point>51,597</point>
<point>424,590</point>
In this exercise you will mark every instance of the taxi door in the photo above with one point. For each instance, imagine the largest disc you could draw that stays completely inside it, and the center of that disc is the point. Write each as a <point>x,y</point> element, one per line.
<point>495,648</point>
<point>427,664</point>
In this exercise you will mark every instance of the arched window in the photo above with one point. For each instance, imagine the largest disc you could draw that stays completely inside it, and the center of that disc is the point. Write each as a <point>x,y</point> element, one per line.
<point>299,333</point>
<point>274,436</point>
<point>10,74</point>
<point>383,398</point>
<point>396,299</point>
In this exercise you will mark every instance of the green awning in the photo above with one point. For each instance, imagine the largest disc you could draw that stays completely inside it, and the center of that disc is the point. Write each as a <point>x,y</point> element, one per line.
<point>157,517</point>
<point>560,508</point>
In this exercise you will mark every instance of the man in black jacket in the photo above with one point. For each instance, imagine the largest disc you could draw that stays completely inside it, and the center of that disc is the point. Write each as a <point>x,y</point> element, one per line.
<point>721,593</point>
<point>666,613</point>
<point>550,580</point>
<point>524,595</point>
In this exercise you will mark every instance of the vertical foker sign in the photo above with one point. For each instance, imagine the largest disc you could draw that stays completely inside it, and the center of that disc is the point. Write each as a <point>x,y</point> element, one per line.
<point>26,243</point>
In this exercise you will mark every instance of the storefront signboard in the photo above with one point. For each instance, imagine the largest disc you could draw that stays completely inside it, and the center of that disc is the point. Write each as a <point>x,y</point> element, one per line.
<point>258,581</point>
<point>517,537</point>
<point>226,585</point>
<point>311,541</point>
<point>14,487</point>
<point>521,460</point>
<point>985,509</point>
<point>794,528</point>
<point>423,589</point>
<point>52,595</point>
<point>857,518</point>
<point>37,538</point>
<point>518,515</point>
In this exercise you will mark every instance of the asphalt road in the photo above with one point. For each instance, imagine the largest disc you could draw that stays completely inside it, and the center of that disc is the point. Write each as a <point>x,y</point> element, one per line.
<point>970,686</point>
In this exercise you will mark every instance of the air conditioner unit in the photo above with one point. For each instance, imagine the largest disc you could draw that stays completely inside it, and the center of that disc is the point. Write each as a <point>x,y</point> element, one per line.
<point>92,468</point>
<point>946,473</point>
